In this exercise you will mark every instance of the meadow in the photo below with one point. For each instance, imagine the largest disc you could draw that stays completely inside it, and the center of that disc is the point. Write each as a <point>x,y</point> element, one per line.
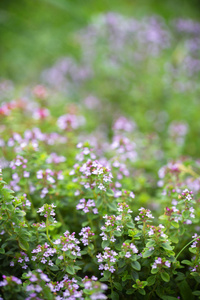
<point>99,158</point>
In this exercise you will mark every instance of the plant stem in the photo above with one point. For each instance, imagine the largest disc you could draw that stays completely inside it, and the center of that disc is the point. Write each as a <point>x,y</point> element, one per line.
<point>186,246</point>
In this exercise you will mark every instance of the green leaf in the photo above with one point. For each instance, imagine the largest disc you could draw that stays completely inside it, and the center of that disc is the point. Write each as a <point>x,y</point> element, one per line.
<point>186,262</point>
<point>130,225</point>
<point>2,251</point>
<point>87,292</point>
<point>151,280</point>
<point>186,214</point>
<point>134,275</point>
<point>150,244</point>
<point>174,239</point>
<point>118,286</point>
<point>160,291</point>
<point>147,253</point>
<point>182,230</point>
<point>193,250</point>
<point>105,244</point>
<point>121,263</point>
<point>163,217</point>
<point>196,276</point>
<point>114,296</point>
<point>98,202</point>
<point>112,206</point>
<point>23,244</point>
<point>185,290</point>
<point>106,274</point>
<point>180,276</point>
<point>168,298</point>
<point>54,268</point>
<point>6,191</point>
<point>20,213</point>
<point>196,293</point>
<point>110,193</point>
<point>91,247</point>
<point>85,223</point>
<point>175,224</point>
<point>130,291</point>
<point>166,246</point>
<point>70,270</point>
<point>103,279</point>
<point>165,276</point>
<point>117,233</point>
<point>142,292</point>
<point>136,265</point>
<point>154,271</point>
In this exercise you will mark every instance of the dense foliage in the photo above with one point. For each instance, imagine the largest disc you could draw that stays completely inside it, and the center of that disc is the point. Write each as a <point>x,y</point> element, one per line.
<point>99,196</point>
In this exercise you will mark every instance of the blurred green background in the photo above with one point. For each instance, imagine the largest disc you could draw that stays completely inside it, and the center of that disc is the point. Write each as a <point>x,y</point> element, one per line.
<point>34,33</point>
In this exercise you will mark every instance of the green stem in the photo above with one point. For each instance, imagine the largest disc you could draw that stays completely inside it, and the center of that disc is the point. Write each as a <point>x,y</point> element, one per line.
<point>197,256</point>
<point>143,229</point>
<point>111,284</point>
<point>92,228</point>
<point>60,217</point>
<point>47,232</point>
<point>186,246</point>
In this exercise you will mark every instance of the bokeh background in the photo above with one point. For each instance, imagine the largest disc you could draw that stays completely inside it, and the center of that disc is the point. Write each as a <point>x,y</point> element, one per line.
<point>33,34</point>
<point>161,93</point>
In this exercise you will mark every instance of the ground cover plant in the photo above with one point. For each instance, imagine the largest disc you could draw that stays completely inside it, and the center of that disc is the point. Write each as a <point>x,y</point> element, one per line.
<point>100,182</point>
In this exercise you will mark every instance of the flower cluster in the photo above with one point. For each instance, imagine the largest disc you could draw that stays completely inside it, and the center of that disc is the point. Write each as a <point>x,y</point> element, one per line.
<point>87,235</point>
<point>37,284</point>
<point>160,263</point>
<point>34,137</point>
<point>111,228</point>
<point>196,268</point>
<point>22,201</point>
<point>21,259</point>
<point>8,279</point>
<point>70,122</point>
<point>157,231</point>
<point>196,243</point>
<point>19,161</point>
<point>124,208</point>
<point>170,177</point>
<point>107,259</point>
<point>7,108</point>
<point>145,215</point>
<point>124,124</point>
<point>41,113</point>
<point>48,179</point>
<point>67,289</point>
<point>55,159</point>
<point>68,244</point>
<point>95,288</point>
<point>186,195</point>
<point>186,201</point>
<point>128,249</point>
<point>47,210</point>
<point>178,132</point>
<point>125,150</point>
<point>43,254</point>
<point>40,92</point>
<point>87,206</point>
<point>91,173</point>
<point>173,214</point>
<point>48,174</point>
